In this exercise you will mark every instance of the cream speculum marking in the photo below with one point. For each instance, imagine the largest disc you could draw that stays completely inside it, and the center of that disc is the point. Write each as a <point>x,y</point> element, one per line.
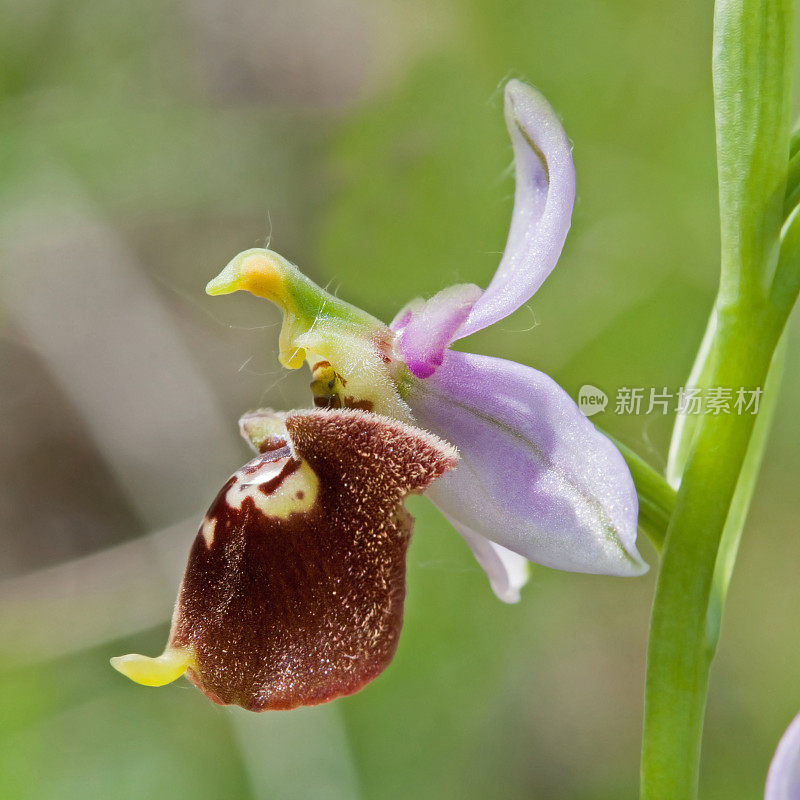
<point>276,488</point>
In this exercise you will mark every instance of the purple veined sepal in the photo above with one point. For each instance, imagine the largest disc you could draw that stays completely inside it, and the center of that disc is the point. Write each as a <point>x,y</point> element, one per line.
<point>535,475</point>
<point>783,778</point>
<point>543,201</point>
<point>294,589</point>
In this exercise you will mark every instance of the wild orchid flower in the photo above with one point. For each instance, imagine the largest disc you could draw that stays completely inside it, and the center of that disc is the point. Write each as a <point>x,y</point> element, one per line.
<point>294,589</point>
<point>536,480</point>
<point>783,778</point>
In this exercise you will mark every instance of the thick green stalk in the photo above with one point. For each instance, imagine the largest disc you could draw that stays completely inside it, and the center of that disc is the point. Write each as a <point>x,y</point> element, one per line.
<point>679,654</point>
<point>740,504</point>
<point>751,68</point>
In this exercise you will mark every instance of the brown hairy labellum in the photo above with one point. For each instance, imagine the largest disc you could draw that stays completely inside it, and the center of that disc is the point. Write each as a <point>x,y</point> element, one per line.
<point>293,593</point>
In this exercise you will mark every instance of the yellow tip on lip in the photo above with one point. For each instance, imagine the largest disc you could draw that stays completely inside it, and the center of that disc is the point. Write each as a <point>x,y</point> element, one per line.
<point>228,281</point>
<point>216,287</point>
<point>169,666</point>
<point>260,272</point>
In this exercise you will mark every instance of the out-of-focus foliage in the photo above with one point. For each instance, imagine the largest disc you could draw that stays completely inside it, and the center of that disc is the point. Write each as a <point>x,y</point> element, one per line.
<point>368,137</point>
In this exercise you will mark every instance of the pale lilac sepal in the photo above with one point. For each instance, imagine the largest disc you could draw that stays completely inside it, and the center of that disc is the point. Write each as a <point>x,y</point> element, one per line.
<point>535,475</point>
<point>426,330</point>
<point>783,778</point>
<point>545,194</point>
<point>507,572</point>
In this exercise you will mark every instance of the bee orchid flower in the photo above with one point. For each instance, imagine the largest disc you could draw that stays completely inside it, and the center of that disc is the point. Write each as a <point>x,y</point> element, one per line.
<point>293,593</point>
<point>536,481</point>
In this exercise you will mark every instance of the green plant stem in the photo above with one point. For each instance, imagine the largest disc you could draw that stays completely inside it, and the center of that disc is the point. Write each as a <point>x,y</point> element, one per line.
<point>679,653</point>
<point>740,504</point>
<point>715,459</point>
<point>792,197</point>
<point>786,280</point>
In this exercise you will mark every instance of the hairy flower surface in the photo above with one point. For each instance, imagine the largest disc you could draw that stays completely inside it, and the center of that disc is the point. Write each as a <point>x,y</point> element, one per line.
<point>536,480</point>
<point>293,593</point>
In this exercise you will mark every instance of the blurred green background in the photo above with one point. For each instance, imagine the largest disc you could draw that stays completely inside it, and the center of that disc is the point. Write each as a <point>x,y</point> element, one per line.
<point>143,144</point>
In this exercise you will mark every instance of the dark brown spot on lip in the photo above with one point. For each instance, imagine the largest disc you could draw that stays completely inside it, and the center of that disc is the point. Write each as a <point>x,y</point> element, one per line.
<point>300,495</point>
<point>327,401</point>
<point>272,444</point>
<point>362,405</point>
<point>288,468</point>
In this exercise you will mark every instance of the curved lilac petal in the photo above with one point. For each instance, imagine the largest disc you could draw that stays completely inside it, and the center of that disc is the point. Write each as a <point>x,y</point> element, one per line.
<point>783,778</point>
<point>535,475</point>
<point>545,194</point>
<point>508,572</point>
<point>431,327</point>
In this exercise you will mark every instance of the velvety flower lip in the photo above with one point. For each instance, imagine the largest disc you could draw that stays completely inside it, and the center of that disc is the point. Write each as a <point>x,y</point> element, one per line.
<point>294,589</point>
<point>783,778</point>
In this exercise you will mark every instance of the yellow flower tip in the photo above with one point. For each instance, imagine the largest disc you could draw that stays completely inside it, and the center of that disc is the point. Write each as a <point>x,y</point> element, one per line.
<point>260,272</point>
<point>169,666</point>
